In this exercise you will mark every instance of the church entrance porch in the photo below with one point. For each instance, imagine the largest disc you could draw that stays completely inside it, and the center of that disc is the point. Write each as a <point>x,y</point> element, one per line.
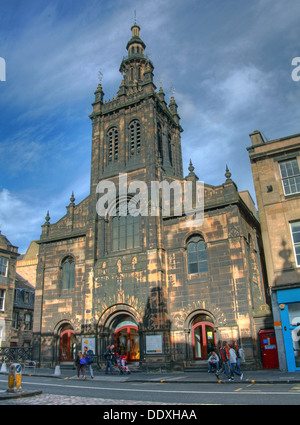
<point>203,337</point>
<point>127,340</point>
<point>67,344</point>
<point>120,328</point>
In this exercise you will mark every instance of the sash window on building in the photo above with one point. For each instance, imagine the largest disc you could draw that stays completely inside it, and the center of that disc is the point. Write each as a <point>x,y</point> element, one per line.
<point>3,266</point>
<point>290,175</point>
<point>295,228</point>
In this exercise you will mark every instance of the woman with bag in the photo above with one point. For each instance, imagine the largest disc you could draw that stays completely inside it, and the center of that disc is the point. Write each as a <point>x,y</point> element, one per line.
<point>80,363</point>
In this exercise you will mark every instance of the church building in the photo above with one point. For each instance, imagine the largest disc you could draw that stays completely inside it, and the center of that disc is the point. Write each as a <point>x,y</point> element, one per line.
<point>164,291</point>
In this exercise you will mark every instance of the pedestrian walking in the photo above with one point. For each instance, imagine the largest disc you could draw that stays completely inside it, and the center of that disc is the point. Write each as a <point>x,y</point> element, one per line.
<point>238,356</point>
<point>108,356</point>
<point>80,362</point>
<point>233,363</point>
<point>226,360</point>
<point>90,360</point>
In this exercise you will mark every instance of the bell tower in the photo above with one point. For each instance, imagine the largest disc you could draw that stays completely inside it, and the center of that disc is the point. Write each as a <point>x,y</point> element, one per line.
<point>136,131</point>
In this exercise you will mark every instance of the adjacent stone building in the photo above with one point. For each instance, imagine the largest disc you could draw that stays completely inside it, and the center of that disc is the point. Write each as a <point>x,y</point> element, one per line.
<point>162,290</point>
<point>8,259</point>
<point>23,309</point>
<point>275,167</point>
<point>27,263</point>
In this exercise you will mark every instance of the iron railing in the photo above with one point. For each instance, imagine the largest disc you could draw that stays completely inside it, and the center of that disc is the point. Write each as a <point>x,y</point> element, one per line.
<point>15,354</point>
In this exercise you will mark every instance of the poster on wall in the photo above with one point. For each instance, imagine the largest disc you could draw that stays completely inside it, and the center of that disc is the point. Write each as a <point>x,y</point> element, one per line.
<point>90,343</point>
<point>153,344</point>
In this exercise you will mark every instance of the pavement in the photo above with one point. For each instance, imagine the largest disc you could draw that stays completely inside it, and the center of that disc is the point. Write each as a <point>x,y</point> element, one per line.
<point>271,376</point>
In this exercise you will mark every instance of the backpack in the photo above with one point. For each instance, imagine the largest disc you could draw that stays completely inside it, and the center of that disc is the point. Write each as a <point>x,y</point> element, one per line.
<point>223,354</point>
<point>90,356</point>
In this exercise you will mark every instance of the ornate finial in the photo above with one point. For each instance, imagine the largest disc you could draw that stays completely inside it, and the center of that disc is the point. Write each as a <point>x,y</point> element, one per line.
<point>47,218</point>
<point>191,168</point>
<point>134,20</point>
<point>191,176</point>
<point>228,174</point>
<point>72,199</point>
<point>172,90</point>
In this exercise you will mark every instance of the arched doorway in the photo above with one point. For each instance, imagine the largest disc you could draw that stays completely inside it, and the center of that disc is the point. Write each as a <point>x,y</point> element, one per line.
<point>67,344</point>
<point>127,339</point>
<point>204,338</point>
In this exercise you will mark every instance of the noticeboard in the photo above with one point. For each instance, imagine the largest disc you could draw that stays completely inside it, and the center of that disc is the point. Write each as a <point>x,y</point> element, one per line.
<point>153,344</point>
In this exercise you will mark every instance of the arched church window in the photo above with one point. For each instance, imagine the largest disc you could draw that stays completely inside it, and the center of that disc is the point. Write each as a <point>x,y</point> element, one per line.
<point>196,255</point>
<point>135,138</point>
<point>68,273</point>
<point>113,144</point>
<point>125,227</point>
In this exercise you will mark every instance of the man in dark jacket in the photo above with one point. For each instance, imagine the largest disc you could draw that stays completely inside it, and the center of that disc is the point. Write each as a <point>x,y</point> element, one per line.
<point>108,355</point>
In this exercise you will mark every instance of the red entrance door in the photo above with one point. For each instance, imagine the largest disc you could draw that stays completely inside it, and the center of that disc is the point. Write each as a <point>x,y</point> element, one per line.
<point>127,342</point>
<point>67,344</point>
<point>268,347</point>
<point>204,340</point>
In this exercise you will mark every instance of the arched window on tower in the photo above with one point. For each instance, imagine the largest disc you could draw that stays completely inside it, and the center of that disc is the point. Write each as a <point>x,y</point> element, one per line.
<point>113,144</point>
<point>196,255</point>
<point>68,273</point>
<point>125,227</point>
<point>135,138</point>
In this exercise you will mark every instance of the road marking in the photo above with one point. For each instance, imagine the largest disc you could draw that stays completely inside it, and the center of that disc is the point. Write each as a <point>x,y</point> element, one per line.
<point>156,390</point>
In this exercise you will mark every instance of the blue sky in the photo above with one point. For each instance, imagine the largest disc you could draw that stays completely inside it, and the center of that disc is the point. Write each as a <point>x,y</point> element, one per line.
<point>228,61</point>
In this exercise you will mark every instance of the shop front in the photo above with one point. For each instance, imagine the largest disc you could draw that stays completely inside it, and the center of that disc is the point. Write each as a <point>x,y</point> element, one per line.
<point>289,307</point>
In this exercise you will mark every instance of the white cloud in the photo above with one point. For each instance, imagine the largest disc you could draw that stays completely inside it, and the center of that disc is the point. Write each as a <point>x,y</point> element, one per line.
<point>20,220</point>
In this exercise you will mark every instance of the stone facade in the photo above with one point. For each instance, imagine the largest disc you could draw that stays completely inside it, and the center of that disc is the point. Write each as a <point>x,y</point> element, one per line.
<point>8,259</point>
<point>23,308</point>
<point>27,263</point>
<point>275,168</point>
<point>141,286</point>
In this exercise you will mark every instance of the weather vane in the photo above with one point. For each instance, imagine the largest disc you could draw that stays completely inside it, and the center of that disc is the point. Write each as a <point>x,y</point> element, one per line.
<point>100,76</point>
<point>134,17</point>
<point>172,89</point>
